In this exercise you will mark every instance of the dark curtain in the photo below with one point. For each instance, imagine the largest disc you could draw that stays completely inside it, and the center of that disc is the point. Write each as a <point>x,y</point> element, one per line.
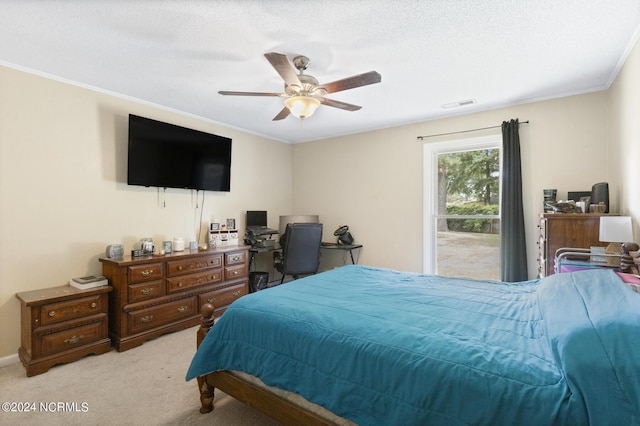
<point>513,249</point>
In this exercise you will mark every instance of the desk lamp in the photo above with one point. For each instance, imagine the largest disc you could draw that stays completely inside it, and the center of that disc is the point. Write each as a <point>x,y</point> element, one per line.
<point>615,230</point>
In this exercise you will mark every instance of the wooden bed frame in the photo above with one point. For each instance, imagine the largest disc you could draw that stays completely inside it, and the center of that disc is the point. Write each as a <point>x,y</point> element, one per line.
<point>278,408</point>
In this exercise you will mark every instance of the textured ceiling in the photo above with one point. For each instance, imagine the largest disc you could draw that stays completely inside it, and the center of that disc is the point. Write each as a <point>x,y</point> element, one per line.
<point>179,54</point>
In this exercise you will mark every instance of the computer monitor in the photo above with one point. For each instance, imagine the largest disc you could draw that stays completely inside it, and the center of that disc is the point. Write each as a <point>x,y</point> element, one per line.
<point>256,218</point>
<point>305,218</point>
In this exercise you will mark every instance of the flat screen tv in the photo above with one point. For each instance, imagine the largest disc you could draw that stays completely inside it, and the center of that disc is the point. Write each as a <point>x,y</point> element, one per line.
<point>169,156</point>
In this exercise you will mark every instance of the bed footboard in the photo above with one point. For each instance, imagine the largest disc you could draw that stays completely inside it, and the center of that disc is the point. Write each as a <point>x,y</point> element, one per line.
<point>205,389</point>
<point>279,408</point>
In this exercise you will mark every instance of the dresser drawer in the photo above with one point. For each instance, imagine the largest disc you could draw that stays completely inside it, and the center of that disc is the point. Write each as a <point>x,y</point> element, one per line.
<point>147,272</point>
<point>145,291</point>
<point>148,318</point>
<point>233,272</point>
<point>74,337</point>
<point>235,258</point>
<point>52,313</point>
<point>193,280</point>
<point>186,266</point>
<point>225,296</point>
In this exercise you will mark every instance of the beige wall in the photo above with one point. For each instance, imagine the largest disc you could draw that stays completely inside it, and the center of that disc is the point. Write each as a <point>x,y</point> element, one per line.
<point>63,191</point>
<point>624,130</point>
<point>373,181</point>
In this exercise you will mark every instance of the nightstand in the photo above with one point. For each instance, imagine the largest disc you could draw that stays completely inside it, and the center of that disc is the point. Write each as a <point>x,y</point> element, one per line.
<point>62,324</point>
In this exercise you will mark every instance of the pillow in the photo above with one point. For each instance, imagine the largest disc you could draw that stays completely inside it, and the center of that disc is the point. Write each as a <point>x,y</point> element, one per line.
<point>633,281</point>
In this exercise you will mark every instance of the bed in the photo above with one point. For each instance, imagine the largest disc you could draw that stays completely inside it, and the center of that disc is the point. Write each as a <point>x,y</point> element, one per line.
<point>373,346</point>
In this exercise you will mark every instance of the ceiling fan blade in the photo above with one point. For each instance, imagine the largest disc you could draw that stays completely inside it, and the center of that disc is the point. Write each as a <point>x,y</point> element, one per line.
<point>226,92</point>
<point>284,68</point>
<point>339,104</point>
<point>359,80</point>
<point>282,114</point>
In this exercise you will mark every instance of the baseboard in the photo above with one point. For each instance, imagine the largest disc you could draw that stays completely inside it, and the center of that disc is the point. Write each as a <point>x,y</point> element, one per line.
<point>8,360</point>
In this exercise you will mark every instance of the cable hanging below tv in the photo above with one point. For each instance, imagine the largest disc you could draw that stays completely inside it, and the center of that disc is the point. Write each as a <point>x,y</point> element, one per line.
<point>165,155</point>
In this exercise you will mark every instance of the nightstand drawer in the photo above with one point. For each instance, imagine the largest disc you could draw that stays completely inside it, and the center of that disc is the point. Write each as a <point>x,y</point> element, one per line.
<point>186,266</point>
<point>147,272</point>
<point>148,318</point>
<point>52,313</point>
<point>73,338</point>
<point>193,280</point>
<point>145,291</point>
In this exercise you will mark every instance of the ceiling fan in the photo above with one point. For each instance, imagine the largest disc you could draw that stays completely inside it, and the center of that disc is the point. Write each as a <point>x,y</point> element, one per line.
<point>303,93</point>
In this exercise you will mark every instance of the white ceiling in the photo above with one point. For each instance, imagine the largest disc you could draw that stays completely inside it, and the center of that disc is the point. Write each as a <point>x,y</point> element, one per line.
<point>178,54</point>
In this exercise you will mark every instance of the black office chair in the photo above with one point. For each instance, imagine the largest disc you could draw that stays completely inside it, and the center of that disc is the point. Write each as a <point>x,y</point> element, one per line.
<point>300,250</point>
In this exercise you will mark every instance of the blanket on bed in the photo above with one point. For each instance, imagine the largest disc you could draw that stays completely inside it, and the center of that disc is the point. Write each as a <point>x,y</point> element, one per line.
<point>382,347</point>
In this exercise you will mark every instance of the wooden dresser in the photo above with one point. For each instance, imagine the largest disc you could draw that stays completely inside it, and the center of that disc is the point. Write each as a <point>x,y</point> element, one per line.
<point>62,324</point>
<point>557,230</point>
<point>153,295</point>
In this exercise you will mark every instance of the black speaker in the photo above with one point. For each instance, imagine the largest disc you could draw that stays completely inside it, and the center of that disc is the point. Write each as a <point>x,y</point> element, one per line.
<point>600,194</point>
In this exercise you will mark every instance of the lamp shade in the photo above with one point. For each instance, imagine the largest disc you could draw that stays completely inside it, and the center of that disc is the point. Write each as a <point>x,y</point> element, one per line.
<point>302,106</point>
<point>615,229</point>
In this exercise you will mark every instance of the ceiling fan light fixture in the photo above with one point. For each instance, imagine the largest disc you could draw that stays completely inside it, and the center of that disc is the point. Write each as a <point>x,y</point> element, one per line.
<point>302,106</point>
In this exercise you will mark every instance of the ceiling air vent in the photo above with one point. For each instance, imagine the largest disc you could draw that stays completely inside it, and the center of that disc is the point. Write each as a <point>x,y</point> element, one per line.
<point>459,103</point>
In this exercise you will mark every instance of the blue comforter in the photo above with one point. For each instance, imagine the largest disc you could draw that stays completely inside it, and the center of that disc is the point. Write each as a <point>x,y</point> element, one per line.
<point>381,347</point>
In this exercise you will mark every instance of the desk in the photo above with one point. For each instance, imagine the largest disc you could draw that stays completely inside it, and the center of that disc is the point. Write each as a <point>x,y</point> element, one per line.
<point>255,249</point>
<point>325,246</point>
<point>345,247</point>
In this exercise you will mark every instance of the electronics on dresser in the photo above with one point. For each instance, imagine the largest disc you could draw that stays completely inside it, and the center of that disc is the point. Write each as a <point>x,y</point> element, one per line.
<point>257,223</point>
<point>578,195</point>
<point>344,236</point>
<point>169,156</point>
<point>115,251</point>
<point>600,194</point>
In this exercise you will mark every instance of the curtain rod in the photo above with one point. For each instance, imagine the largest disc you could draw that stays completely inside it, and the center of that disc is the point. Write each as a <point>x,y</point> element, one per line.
<point>467,131</point>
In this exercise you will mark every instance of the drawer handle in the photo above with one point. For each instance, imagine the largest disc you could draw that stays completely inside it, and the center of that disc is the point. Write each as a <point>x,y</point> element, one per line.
<point>236,272</point>
<point>52,314</point>
<point>73,339</point>
<point>180,284</point>
<point>146,273</point>
<point>211,300</point>
<point>236,293</point>
<point>180,268</point>
<point>93,305</point>
<point>148,318</point>
<point>235,258</point>
<point>148,290</point>
<point>182,309</point>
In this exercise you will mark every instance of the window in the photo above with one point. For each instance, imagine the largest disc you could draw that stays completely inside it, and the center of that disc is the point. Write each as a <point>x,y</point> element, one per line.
<point>462,208</point>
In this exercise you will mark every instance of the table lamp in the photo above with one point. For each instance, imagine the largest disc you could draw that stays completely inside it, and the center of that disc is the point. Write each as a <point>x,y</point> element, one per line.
<point>615,230</point>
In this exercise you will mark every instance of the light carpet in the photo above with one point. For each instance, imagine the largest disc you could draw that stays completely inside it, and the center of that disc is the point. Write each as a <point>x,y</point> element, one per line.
<point>144,385</point>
